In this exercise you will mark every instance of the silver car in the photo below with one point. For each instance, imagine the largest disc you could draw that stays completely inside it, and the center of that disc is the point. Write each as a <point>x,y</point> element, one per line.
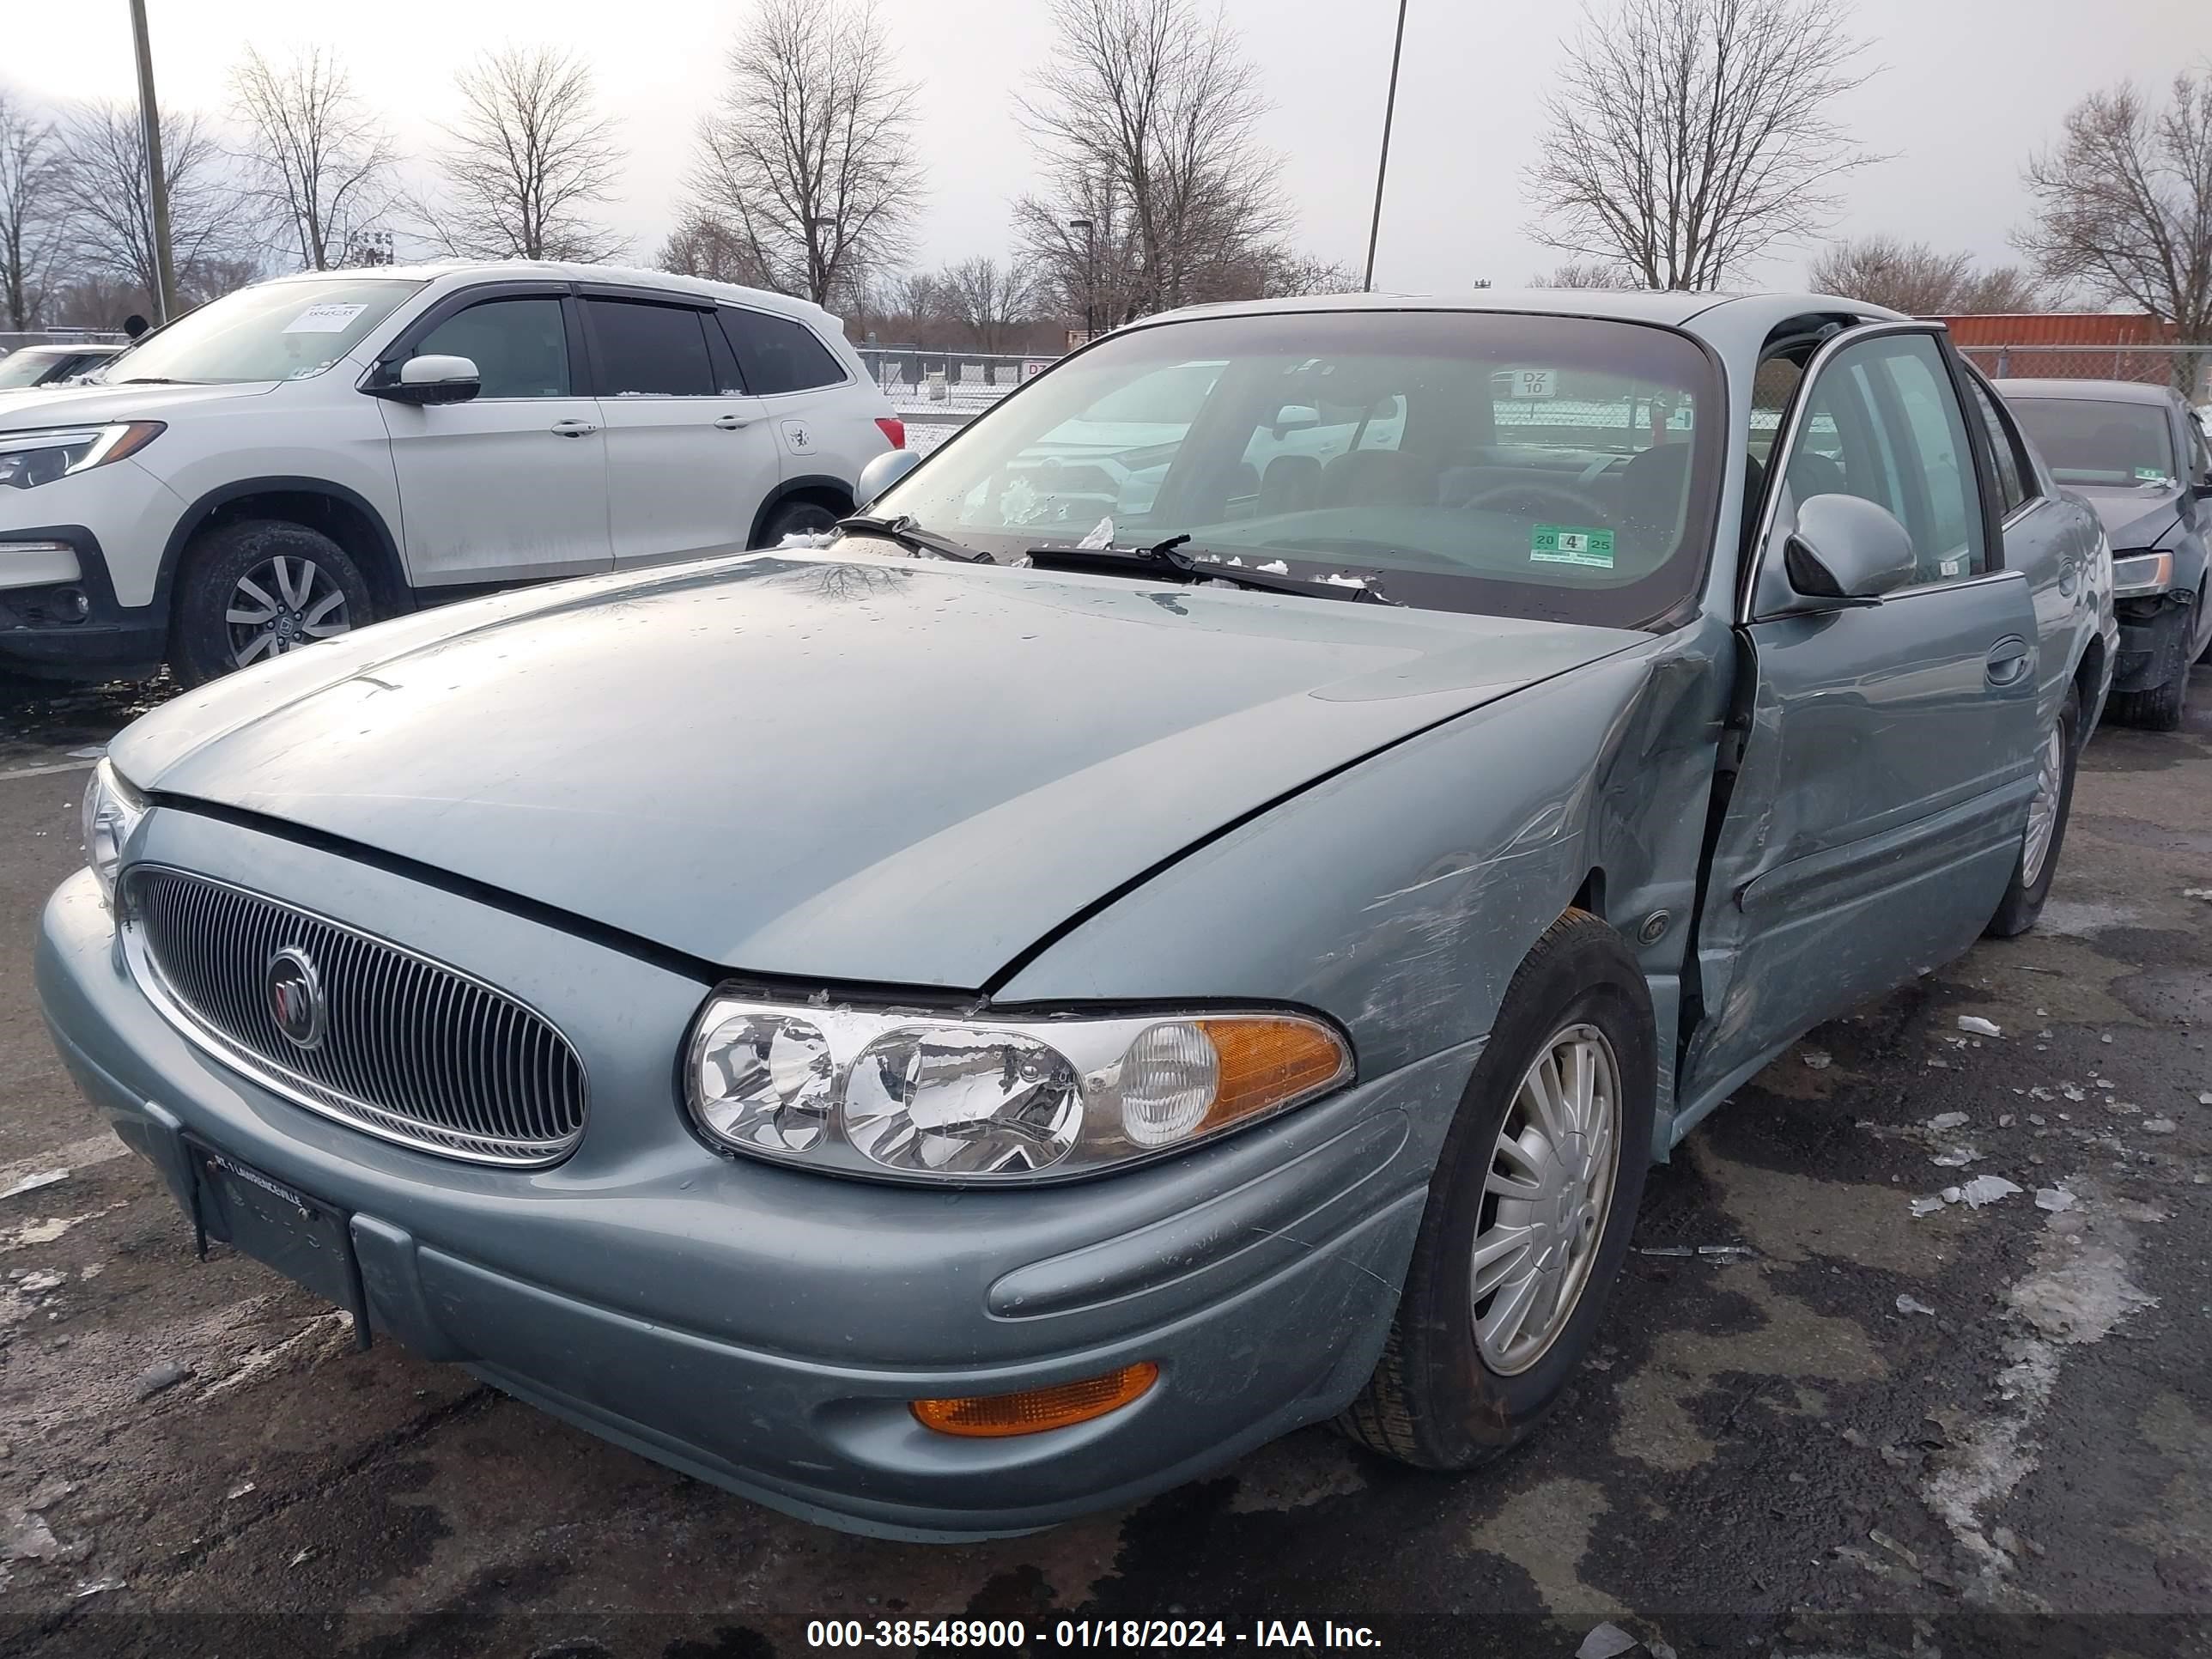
<point>1001,1012</point>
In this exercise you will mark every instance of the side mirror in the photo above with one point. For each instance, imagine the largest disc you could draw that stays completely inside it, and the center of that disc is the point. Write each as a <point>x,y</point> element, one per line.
<point>1845,551</point>
<point>881,473</point>
<point>432,379</point>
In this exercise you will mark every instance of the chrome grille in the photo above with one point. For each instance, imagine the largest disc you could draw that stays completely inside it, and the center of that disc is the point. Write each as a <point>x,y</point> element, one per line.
<point>412,1051</point>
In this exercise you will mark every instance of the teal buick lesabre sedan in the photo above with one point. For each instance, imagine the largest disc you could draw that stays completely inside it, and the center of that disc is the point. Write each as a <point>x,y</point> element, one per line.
<point>1138,943</point>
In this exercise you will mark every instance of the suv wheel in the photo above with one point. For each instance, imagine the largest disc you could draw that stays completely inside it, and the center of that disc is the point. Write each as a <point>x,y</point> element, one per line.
<point>800,518</point>
<point>1529,1211</point>
<point>257,589</point>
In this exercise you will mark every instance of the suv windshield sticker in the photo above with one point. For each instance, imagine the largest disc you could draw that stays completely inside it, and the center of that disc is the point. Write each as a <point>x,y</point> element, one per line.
<point>1552,543</point>
<point>2151,475</point>
<point>324,320</point>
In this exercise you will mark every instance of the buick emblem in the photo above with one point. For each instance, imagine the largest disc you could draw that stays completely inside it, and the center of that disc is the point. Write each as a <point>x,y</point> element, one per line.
<point>295,998</point>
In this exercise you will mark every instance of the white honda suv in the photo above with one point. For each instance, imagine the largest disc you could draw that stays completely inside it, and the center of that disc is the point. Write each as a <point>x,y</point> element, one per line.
<point>309,455</point>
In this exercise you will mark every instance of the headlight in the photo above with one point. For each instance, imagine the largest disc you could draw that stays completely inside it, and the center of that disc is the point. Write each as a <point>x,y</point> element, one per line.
<point>869,1092</point>
<point>112,812</point>
<point>37,458</point>
<point>2141,573</point>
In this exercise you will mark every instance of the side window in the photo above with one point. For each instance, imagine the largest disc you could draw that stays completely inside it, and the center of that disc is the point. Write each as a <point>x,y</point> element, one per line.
<point>1883,424</point>
<point>2015,478</point>
<point>778,354</point>
<point>649,350</point>
<point>519,347</point>
<point>2200,446</point>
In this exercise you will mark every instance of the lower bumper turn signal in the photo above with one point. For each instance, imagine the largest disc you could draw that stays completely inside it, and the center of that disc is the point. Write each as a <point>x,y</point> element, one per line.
<point>1035,1410</point>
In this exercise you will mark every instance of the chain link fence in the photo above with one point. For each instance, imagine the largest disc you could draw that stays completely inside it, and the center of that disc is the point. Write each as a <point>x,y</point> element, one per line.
<point>2186,368</point>
<point>938,392</point>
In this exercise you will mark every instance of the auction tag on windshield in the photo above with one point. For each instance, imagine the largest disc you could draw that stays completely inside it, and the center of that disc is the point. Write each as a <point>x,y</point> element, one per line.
<point>324,320</point>
<point>2149,475</point>
<point>1552,544</point>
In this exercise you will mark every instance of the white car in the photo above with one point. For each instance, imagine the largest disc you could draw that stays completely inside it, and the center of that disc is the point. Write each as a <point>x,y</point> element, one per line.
<point>312,453</point>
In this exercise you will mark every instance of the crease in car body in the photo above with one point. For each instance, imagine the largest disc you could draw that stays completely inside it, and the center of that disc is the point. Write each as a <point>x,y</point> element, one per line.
<point>1497,874</point>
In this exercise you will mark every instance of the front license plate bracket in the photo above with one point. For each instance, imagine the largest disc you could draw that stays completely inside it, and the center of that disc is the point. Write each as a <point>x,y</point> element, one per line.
<point>309,1241</point>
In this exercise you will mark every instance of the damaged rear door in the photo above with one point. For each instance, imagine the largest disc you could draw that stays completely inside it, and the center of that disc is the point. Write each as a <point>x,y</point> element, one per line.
<point>1885,753</point>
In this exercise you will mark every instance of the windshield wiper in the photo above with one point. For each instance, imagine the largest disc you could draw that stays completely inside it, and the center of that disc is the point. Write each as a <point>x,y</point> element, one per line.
<point>1166,561</point>
<point>913,537</point>
<point>148,379</point>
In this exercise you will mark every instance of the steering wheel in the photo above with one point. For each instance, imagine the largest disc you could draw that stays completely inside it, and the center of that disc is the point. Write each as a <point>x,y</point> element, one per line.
<point>1581,509</point>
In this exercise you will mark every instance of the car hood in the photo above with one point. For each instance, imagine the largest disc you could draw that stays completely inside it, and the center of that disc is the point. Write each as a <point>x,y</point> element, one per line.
<point>55,405</point>
<point>2137,517</point>
<point>830,768</point>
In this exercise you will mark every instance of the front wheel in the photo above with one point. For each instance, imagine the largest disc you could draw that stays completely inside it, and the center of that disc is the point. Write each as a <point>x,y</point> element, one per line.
<point>2038,862</point>
<point>1529,1211</point>
<point>259,589</point>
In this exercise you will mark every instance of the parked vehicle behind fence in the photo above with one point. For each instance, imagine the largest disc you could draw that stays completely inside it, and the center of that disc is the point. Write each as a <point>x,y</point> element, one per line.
<point>999,1014</point>
<point>307,455</point>
<point>2133,452</point>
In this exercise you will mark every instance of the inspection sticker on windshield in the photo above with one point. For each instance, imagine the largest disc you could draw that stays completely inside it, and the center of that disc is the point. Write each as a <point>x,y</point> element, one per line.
<point>324,320</point>
<point>1552,544</point>
<point>2149,475</point>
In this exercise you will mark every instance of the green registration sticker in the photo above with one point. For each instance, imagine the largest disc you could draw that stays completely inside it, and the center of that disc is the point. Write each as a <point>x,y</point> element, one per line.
<point>2149,475</point>
<point>1555,544</point>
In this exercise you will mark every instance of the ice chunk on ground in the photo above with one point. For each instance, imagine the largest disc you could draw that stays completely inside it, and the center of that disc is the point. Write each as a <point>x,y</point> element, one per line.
<point>1987,1189</point>
<point>1979,1026</point>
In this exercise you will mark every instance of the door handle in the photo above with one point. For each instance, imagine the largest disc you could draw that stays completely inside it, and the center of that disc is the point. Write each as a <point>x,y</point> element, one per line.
<point>573,429</point>
<point>731,422</point>
<point>2007,661</point>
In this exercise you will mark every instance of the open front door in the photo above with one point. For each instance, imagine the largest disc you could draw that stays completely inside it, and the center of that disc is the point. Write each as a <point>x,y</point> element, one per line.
<point>1889,755</point>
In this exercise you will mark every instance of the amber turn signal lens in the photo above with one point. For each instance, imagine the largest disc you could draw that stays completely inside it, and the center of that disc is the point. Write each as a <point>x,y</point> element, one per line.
<point>1267,1062</point>
<point>986,1417</point>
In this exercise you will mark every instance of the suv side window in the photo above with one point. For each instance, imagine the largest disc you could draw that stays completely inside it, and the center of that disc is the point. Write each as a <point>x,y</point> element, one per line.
<point>2016,478</point>
<point>647,350</point>
<point>1883,423</point>
<point>520,346</point>
<point>776,354</point>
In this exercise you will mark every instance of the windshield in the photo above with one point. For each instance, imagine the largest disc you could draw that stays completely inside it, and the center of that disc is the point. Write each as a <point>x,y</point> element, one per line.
<point>26,367</point>
<point>271,331</point>
<point>1548,467</point>
<point>2096,443</point>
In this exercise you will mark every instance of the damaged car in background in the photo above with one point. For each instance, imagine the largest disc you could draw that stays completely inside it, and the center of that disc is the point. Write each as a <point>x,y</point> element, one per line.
<point>2134,453</point>
<point>1003,1012</point>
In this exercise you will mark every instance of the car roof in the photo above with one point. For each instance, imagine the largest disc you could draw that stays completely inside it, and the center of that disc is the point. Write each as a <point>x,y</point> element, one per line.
<point>2090,392</point>
<point>570,271</point>
<point>1730,318</point>
<point>77,348</point>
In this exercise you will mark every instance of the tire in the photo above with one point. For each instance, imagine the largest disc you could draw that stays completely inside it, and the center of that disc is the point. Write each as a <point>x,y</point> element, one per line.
<point>803,517</point>
<point>2024,896</point>
<point>2159,708</point>
<point>302,583</point>
<point>1438,1399</point>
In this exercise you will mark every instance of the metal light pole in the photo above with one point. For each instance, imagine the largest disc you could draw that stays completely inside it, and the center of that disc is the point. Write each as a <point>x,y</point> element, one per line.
<point>1382,167</point>
<point>1090,230</point>
<point>157,181</point>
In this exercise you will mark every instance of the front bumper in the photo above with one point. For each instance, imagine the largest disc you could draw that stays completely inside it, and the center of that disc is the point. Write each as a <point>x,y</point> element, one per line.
<point>764,1328</point>
<point>2154,642</point>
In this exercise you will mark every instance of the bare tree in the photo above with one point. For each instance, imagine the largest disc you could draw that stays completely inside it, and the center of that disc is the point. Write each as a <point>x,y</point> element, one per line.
<point>705,244</point>
<point>810,154</point>
<point>31,183</point>
<point>111,220</point>
<point>317,163</point>
<point>530,152</point>
<point>1916,279</point>
<point>1158,191</point>
<point>2004,291</point>
<point>1687,136</point>
<point>2124,203</point>
<point>1586,273</point>
<point>990,298</point>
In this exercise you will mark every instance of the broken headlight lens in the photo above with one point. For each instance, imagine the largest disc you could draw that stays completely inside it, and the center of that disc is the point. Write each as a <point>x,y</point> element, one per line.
<point>112,812</point>
<point>885,1093</point>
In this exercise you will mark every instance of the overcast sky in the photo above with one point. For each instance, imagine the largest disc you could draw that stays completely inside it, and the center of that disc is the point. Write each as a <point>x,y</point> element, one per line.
<point>1965,90</point>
